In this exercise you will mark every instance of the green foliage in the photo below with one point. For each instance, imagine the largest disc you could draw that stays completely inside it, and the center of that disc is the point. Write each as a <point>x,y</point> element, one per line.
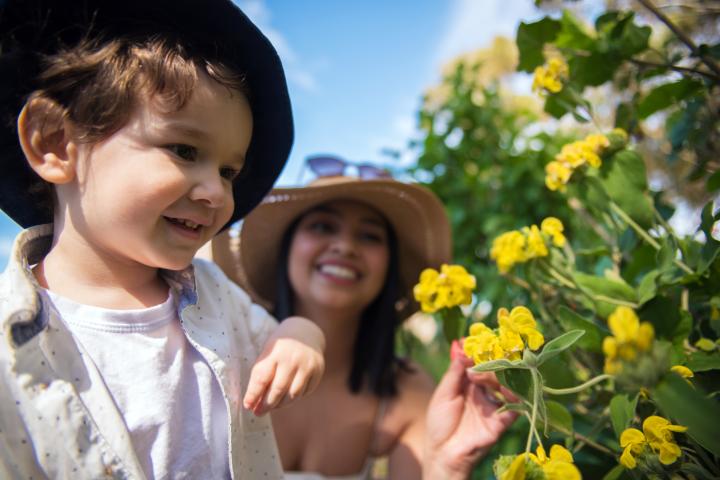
<point>491,165</point>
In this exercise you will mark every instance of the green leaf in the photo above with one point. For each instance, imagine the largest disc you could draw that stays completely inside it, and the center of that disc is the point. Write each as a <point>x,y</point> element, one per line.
<point>713,182</point>
<point>570,320</point>
<point>453,322</point>
<point>531,38</point>
<point>669,94</point>
<point>622,411</point>
<point>517,380</point>
<point>703,361</point>
<point>711,248</point>
<point>626,38</point>
<point>664,314</point>
<point>594,69</point>
<point>625,180</point>
<point>609,288</point>
<point>648,288</point>
<point>558,345</point>
<point>687,406</point>
<point>573,34</point>
<point>559,417</point>
<point>498,365</point>
<point>615,474</point>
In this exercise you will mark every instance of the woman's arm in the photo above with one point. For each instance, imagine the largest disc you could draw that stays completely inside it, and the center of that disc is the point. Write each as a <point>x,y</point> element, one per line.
<point>414,393</point>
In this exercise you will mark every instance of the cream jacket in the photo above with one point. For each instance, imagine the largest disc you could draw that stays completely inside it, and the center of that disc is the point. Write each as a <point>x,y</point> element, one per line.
<point>47,391</point>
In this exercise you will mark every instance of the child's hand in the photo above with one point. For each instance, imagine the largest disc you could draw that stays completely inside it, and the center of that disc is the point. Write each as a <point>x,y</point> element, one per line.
<point>290,365</point>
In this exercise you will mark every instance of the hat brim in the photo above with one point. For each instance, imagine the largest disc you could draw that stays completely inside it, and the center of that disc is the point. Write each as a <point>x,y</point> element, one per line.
<point>414,212</point>
<point>31,28</point>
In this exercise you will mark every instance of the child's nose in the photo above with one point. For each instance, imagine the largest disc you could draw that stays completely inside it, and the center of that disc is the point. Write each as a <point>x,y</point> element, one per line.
<point>211,189</point>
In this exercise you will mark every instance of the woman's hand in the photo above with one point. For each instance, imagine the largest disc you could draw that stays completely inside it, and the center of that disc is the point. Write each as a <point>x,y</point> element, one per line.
<point>290,366</point>
<point>462,421</point>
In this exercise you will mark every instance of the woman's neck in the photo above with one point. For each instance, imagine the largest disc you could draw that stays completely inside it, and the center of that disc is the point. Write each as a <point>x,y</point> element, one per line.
<point>340,329</point>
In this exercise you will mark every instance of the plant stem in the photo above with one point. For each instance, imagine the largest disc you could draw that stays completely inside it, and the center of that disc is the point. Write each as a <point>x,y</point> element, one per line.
<point>682,36</point>
<point>677,68</point>
<point>533,417</point>
<point>576,389</point>
<point>645,236</point>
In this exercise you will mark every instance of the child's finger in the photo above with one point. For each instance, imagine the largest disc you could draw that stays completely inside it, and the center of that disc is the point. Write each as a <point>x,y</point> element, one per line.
<point>261,377</point>
<point>299,385</point>
<point>278,389</point>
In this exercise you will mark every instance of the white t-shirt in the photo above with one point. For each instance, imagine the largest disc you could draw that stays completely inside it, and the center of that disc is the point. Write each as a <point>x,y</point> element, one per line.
<point>170,399</point>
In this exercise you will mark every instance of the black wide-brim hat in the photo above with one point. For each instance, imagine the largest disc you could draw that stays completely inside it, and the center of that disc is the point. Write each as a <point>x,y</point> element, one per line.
<point>30,29</point>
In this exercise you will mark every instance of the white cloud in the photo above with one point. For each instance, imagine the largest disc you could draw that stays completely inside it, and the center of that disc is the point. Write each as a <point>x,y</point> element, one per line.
<point>258,12</point>
<point>474,23</point>
<point>6,244</point>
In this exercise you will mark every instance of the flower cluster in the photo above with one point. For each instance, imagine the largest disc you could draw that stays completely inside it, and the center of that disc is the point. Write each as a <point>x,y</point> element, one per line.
<point>450,287</point>
<point>629,337</point>
<point>558,466</point>
<point>572,156</point>
<point>550,77</point>
<point>516,329</point>
<point>520,246</point>
<point>656,434</point>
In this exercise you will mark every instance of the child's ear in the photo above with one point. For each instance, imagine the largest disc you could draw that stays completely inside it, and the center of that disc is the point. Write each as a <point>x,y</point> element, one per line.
<point>46,140</point>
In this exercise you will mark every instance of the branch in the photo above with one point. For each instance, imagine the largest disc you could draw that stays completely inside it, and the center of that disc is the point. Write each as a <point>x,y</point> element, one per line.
<point>682,36</point>
<point>677,68</point>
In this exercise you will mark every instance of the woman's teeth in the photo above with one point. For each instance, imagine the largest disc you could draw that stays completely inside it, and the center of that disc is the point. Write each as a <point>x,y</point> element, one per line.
<point>338,271</point>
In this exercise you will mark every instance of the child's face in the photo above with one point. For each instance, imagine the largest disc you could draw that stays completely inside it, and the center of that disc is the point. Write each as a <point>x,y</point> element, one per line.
<point>338,257</point>
<point>159,188</point>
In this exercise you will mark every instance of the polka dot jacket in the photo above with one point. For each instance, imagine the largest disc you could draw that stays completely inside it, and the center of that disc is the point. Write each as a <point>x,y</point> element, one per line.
<point>47,391</point>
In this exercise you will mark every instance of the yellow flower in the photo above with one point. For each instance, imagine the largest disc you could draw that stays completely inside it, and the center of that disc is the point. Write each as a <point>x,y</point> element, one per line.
<point>629,338</point>
<point>450,287</point>
<point>535,244</point>
<point>658,430</point>
<point>508,249</point>
<point>632,441</point>
<point>553,227</point>
<point>520,322</point>
<point>559,465</point>
<point>659,434</point>
<point>557,175</point>
<point>549,78</point>
<point>624,324</point>
<point>668,452</point>
<point>516,471</point>
<point>683,371</point>
<point>482,344</point>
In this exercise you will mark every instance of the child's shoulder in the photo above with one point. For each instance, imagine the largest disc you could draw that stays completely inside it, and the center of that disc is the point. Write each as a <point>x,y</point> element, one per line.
<point>210,277</point>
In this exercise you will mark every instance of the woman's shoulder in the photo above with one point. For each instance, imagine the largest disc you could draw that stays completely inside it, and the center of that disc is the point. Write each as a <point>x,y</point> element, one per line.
<point>414,389</point>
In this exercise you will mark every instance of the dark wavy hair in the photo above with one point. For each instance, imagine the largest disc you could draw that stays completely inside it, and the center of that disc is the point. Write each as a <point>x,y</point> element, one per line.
<point>375,365</point>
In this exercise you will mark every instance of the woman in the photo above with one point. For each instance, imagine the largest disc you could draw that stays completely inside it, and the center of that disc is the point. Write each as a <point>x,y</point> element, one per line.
<point>345,253</point>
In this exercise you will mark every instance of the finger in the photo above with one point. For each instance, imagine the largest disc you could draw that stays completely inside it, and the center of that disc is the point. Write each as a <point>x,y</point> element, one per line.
<point>280,385</point>
<point>452,383</point>
<point>299,385</point>
<point>261,377</point>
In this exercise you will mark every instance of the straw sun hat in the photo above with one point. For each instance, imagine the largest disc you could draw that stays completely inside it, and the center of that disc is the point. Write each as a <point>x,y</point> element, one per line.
<point>414,212</point>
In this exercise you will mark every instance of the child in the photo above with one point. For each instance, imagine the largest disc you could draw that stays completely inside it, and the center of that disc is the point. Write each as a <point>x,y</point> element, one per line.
<point>144,128</point>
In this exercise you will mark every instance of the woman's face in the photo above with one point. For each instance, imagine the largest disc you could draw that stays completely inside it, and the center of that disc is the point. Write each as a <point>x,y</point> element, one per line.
<point>338,257</point>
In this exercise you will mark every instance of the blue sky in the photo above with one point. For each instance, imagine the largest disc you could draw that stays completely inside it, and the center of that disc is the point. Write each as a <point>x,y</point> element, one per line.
<point>357,69</point>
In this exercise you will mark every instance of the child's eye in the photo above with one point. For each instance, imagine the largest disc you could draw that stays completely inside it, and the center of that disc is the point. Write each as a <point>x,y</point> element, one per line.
<point>229,173</point>
<point>186,152</point>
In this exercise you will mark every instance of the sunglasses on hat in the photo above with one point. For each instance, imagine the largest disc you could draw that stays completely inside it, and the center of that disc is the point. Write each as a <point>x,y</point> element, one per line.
<point>332,166</point>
